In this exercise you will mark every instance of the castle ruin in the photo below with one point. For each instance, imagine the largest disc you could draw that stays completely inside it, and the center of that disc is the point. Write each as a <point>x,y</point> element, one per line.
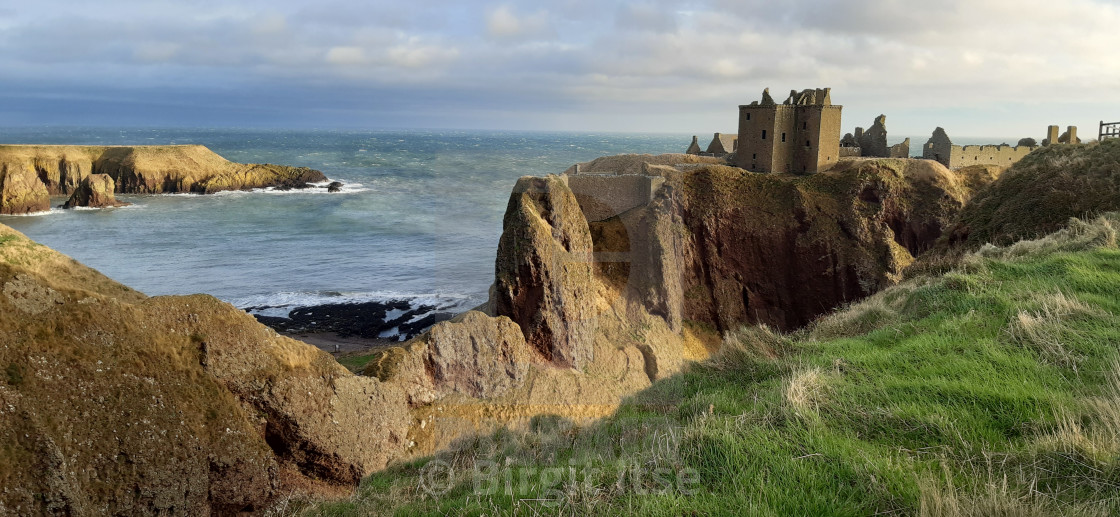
<point>873,142</point>
<point>798,136</point>
<point>722,144</point>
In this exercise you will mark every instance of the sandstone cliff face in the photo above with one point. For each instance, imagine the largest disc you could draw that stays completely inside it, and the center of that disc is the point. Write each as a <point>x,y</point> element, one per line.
<point>724,247</point>
<point>96,191</point>
<point>111,402</point>
<point>137,170</point>
<point>784,250</point>
<point>21,191</point>
<point>474,354</point>
<point>543,275</point>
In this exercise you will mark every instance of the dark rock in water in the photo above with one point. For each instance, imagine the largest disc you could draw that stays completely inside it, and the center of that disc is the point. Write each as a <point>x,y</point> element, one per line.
<point>335,186</point>
<point>424,323</point>
<point>365,320</point>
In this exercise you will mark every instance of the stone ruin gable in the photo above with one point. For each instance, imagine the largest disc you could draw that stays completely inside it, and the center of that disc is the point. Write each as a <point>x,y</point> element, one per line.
<point>694,147</point>
<point>605,195</point>
<point>723,144</point>
<point>799,136</point>
<point>941,149</point>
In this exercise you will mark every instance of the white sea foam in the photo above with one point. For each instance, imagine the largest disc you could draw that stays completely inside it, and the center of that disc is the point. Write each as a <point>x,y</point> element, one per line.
<point>280,304</point>
<point>52,211</point>
<point>317,188</point>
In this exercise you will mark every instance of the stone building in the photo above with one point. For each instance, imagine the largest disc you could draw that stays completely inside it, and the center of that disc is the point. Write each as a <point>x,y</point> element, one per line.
<point>801,135</point>
<point>873,142</point>
<point>940,148</point>
<point>722,144</point>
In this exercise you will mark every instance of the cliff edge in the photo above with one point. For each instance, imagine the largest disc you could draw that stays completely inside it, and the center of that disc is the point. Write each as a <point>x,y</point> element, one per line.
<point>29,174</point>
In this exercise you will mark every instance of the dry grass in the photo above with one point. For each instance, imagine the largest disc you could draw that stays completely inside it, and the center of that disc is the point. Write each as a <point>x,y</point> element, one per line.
<point>1044,329</point>
<point>1093,429</point>
<point>806,391</point>
<point>1078,235</point>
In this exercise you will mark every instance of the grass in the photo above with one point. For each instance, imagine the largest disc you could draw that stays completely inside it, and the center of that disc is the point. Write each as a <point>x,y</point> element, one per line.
<point>1041,192</point>
<point>992,389</point>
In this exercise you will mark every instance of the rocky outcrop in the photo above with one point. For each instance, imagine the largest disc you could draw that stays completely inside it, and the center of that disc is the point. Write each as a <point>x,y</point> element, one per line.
<point>61,169</point>
<point>112,402</point>
<point>96,191</point>
<point>474,354</point>
<point>21,192</point>
<point>543,273</point>
<point>725,247</point>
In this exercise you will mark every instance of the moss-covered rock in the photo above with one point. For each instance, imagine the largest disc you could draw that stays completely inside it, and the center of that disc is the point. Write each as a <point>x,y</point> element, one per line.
<point>112,402</point>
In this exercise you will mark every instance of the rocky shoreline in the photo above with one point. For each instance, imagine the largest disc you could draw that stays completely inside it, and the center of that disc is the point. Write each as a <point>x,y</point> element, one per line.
<point>389,321</point>
<point>31,174</point>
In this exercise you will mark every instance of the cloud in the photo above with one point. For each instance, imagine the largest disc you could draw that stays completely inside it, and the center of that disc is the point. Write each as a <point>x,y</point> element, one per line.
<point>504,23</point>
<point>646,17</point>
<point>605,56</point>
<point>346,56</point>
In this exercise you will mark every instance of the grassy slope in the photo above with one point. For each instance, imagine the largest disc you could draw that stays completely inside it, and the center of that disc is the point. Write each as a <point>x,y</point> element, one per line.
<point>1039,193</point>
<point>993,388</point>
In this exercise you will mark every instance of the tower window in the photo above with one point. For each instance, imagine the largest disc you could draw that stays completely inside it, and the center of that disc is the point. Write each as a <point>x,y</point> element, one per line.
<point>804,125</point>
<point>783,137</point>
<point>808,144</point>
<point>754,156</point>
<point>764,134</point>
<point>748,116</point>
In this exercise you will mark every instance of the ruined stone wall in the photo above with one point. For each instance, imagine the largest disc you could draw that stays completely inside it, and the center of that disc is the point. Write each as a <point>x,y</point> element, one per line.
<point>901,150</point>
<point>1002,155</point>
<point>602,196</point>
<point>850,152</point>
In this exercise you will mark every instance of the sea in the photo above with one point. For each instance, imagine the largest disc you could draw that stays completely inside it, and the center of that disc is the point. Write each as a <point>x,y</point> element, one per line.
<point>418,218</point>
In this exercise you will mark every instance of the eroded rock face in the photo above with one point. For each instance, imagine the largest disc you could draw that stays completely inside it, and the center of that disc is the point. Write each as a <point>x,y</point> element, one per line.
<point>474,354</point>
<point>96,191</point>
<point>777,251</point>
<point>543,272</point>
<point>21,192</point>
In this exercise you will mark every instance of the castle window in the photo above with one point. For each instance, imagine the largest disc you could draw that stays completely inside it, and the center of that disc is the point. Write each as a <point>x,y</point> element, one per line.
<point>808,144</point>
<point>764,134</point>
<point>804,125</point>
<point>783,137</point>
<point>748,116</point>
<point>754,156</point>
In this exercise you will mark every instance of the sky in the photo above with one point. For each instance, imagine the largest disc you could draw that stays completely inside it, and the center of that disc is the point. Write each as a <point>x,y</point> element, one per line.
<point>974,67</point>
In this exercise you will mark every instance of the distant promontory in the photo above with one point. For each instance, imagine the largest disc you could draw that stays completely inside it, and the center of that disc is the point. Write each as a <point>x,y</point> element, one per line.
<point>31,174</point>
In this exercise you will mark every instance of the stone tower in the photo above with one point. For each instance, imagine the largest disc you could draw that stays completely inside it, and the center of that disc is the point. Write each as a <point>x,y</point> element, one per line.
<point>801,135</point>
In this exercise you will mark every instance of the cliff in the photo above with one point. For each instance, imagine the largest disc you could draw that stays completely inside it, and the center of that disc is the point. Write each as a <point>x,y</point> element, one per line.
<point>60,170</point>
<point>115,403</point>
<point>600,306</point>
